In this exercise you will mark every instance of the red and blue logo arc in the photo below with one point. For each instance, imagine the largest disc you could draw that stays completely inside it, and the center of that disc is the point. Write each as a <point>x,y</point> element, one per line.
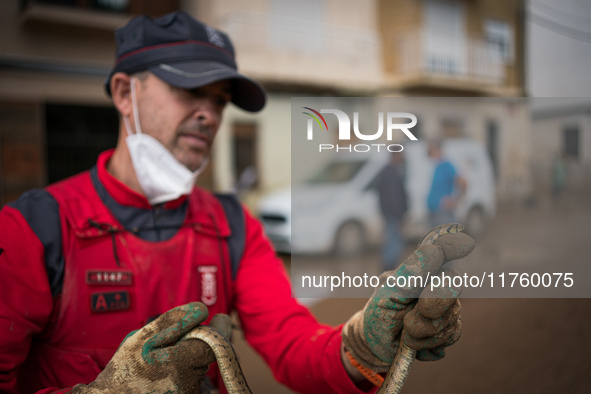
<point>315,118</point>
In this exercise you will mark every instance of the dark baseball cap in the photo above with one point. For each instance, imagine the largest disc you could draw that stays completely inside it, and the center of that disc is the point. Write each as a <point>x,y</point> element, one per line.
<point>185,53</point>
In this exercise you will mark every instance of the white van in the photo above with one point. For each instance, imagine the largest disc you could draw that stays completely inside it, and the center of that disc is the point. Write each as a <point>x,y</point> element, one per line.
<point>337,210</point>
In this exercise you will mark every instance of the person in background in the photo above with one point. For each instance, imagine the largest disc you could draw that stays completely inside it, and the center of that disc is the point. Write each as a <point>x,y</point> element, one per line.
<point>393,205</point>
<point>447,187</point>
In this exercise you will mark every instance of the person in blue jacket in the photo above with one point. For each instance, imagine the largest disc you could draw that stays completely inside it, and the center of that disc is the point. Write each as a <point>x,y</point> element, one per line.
<point>447,188</point>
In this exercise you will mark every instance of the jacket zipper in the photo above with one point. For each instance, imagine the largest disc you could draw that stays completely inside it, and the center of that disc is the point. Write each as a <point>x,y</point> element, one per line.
<point>156,215</point>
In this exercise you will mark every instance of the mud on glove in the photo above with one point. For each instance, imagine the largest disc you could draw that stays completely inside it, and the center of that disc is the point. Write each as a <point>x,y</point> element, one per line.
<point>153,360</point>
<point>428,324</point>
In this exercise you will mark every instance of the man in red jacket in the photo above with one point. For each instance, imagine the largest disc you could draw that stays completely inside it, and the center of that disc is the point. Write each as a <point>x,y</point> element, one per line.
<point>89,260</point>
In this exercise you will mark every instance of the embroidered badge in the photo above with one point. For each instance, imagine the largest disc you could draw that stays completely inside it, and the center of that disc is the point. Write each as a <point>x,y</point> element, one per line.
<point>113,277</point>
<point>110,301</point>
<point>208,284</point>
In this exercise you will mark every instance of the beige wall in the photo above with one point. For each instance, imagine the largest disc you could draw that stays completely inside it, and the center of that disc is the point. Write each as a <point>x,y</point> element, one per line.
<point>345,56</point>
<point>273,131</point>
<point>514,134</point>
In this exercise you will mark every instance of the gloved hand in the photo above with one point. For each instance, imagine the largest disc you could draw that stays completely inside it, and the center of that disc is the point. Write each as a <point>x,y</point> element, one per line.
<point>153,360</point>
<point>427,325</point>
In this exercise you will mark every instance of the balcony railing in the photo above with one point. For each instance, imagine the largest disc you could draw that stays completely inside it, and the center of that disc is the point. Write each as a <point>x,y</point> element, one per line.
<point>470,59</point>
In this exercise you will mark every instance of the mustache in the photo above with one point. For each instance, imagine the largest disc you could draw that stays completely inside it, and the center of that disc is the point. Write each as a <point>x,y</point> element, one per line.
<point>196,129</point>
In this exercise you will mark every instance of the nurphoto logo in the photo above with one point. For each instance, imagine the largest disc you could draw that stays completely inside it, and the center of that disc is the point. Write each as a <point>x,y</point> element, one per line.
<point>344,130</point>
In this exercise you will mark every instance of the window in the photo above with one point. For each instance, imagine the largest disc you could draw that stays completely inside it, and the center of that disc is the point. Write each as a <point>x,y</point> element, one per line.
<point>571,141</point>
<point>245,153</point>
<point>452,128</point>
<point>22,164</point>
<point>445,39</point>
<point>499,36</point>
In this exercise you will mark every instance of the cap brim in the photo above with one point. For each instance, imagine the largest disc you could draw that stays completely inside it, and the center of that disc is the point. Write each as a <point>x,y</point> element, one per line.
<point>246,93</point>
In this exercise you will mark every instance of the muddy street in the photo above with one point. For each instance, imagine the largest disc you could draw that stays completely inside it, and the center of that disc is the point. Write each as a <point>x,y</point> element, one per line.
<point>508,345</point>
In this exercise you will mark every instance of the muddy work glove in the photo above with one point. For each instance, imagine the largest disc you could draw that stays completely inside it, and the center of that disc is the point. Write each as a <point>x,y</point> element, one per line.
<point>153,360</point>
<point>395,312</point>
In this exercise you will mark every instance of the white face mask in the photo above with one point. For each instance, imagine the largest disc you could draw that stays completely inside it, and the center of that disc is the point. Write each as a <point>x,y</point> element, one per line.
<point>160,175</point>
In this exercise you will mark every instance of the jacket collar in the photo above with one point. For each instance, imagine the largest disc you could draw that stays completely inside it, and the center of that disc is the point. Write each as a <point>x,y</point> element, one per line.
<point>121,192</point>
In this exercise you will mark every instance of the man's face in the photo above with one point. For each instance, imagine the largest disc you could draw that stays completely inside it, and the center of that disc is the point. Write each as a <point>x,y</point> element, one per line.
<point>184,121</point>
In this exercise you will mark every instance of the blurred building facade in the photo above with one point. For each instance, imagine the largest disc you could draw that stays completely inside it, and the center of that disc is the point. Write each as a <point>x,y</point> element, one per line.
<point>55,116</point>
<point>562,134</point>
<point>464,48</point>
<point>453,48</point>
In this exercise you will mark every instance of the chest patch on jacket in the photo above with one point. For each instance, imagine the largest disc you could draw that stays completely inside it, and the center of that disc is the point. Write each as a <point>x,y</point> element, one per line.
<point>208,284</point>
<point>116,278</point>
<point>109,301</point>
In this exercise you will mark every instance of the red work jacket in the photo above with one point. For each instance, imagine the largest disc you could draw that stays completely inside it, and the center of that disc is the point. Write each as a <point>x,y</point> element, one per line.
<point>114,282</point>
<point>119,281</point>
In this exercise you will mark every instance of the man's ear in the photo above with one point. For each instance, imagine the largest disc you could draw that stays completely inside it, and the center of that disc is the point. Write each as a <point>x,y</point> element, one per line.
<point>121,93</point>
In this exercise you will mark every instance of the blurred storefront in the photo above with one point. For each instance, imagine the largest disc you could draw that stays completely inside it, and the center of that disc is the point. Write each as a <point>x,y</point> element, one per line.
<point>54,114</point>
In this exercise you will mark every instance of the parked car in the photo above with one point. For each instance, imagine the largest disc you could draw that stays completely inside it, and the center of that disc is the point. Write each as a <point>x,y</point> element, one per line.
<point>337,209</point>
